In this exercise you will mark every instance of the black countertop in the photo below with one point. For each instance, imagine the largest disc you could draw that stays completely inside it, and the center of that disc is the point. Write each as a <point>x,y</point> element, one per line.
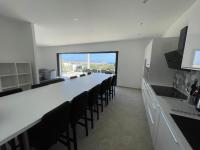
<point>168,92</point>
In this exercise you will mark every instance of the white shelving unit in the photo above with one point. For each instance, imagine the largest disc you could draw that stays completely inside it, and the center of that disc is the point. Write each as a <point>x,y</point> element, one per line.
<point>16,74</point>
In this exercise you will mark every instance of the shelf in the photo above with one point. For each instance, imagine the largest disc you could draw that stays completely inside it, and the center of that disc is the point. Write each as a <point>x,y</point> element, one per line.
<point>9,87</point>
<point>24,84</point>
<point>23,68</point>
<point>25,87</point>
<point>16,74</point>
<point>7,75</point>
<point>7,68</point>
<point>28,73</point>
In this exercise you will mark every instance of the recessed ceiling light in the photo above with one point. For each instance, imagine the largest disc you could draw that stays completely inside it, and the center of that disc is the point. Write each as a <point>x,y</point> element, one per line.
<point>76,19</point>
<point>144,1</point>
<point>141,23</point>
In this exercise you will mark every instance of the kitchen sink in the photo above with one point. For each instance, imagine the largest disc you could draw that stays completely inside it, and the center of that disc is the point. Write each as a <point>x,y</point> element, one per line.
<point>190,129</point>
<point>168,92</point>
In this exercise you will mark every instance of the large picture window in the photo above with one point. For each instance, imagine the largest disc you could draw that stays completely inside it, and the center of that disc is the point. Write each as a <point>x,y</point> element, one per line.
<point>71,64</point>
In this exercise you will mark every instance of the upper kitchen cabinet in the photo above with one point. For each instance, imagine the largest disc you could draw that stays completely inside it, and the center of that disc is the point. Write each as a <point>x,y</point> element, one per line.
<point>191,56</point>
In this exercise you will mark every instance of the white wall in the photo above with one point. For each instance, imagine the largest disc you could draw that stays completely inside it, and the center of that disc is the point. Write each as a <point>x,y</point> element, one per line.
<point>130,61</point>
<point>160,73</point>
<point>16,41</point>
<point>174,30</point>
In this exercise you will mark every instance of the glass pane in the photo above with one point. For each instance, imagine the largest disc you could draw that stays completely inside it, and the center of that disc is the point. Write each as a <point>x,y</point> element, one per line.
<point>73,64</point>
<point>196,61</point>
<point>76,64</point>
<point>103,62</point>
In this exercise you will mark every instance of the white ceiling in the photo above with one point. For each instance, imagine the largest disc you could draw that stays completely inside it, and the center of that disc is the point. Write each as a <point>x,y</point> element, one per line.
<point>62,22</point>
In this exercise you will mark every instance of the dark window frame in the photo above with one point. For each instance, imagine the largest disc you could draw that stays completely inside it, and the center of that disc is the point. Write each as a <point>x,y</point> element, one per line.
<point>58,58</point>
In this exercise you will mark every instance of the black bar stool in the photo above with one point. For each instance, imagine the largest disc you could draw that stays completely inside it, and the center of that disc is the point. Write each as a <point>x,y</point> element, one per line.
<point>103,94</point>
<point>34,86</point>
<point>73,77</point>
<point>9,92</point>
<point>56,80</point>
<point>93,103</point>
<point>78,111</point>
<point>82,75</point>
<point>113,85</point>
<point>89,73</point>
<point>49,131</point>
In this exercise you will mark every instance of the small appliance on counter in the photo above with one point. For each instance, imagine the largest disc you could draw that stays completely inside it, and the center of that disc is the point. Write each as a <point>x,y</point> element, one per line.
<point>47,74</point>
<point>194,97</point>
<point>193,93</point>
<point>198,105</point>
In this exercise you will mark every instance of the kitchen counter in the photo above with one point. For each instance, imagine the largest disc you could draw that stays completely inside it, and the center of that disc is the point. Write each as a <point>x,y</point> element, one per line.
<point>178,107</point>
<point>181,108</point>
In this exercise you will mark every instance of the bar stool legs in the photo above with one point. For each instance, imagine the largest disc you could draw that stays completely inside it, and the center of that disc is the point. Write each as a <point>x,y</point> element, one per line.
<point>86,123</point>
<point>3,147</point>
<point>68,138</point>
<point>97,111</point>
<point>74,136</point>
<point>91,117</point>
<point>101,104</point>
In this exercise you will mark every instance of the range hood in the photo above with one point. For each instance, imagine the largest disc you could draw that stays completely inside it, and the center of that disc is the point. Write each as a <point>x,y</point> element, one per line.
<point>174,58</point>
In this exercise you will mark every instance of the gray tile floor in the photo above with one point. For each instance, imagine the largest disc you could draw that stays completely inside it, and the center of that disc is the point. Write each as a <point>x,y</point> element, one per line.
<point>122,126</point>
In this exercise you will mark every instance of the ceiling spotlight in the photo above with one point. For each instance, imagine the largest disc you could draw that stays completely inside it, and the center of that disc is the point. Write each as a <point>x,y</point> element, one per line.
<point>76,19</point>
<point>144,1</point>
<point>141,23</point>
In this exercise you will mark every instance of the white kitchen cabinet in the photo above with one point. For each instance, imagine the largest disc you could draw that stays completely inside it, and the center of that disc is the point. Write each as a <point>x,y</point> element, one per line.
<point>192,41</point>
<point>165,135</point>
<point>166,139</point>
<point>152,110</point>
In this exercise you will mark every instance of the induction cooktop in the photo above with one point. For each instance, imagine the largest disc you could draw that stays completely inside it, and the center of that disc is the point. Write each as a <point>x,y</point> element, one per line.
<point>168,92</point>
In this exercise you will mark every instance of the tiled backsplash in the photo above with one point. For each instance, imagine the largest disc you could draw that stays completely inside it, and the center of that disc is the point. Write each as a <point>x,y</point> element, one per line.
<point>184,79</point>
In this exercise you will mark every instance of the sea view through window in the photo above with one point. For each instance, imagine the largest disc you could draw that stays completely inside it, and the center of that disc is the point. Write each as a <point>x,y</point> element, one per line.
<point>74,64</point>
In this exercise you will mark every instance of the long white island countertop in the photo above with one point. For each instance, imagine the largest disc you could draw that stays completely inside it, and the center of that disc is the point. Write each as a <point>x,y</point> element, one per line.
<point>21,111</point>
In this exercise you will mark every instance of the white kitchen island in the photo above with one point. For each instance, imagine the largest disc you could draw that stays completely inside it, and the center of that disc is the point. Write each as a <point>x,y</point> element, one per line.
<point>21,111</point>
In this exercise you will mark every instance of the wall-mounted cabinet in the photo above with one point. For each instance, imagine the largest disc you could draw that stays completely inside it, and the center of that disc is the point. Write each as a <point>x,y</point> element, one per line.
<point>13,75</point>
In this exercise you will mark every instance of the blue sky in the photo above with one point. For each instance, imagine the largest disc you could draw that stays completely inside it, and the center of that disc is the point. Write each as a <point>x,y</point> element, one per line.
<point>94,57</point>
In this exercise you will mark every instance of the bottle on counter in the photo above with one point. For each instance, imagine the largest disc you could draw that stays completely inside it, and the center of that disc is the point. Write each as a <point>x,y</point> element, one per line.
<point>193,93</point>
<point>198,105</point>
<point>193,87</point>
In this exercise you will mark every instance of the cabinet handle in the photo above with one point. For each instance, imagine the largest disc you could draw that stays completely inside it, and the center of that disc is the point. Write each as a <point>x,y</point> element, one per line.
<point>174,137</point>
<point>151,118</point>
